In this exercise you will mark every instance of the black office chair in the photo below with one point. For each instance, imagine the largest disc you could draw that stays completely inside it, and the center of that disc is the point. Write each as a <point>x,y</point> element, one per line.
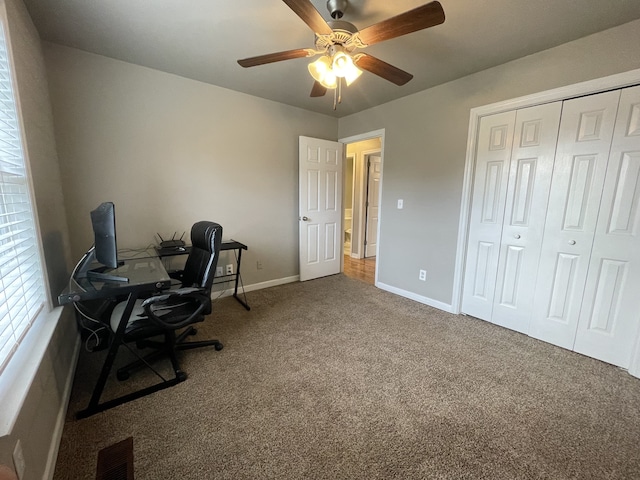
<point>172,310</point>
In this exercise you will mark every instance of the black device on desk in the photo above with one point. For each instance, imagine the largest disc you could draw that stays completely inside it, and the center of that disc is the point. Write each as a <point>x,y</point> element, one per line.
<point>174,243</point>
<point>105,247</point>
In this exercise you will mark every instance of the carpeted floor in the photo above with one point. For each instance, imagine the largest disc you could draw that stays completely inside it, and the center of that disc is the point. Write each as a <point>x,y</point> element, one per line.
<point>335,379</point>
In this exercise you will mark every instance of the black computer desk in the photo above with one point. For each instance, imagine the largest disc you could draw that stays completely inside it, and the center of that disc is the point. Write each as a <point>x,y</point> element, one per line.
<point>225,245</point>
<point>146,275</point>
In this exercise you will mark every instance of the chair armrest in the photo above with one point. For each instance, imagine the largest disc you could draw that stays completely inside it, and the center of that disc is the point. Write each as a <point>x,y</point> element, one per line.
<point>174,300</point>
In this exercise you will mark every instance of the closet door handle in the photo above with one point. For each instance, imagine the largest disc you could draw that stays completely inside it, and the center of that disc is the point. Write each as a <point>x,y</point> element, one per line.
<point>572,242</point>
<point>516,236</point>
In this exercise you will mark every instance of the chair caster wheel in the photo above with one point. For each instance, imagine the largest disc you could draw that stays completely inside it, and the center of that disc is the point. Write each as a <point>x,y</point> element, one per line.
<point>218,347</point>
<point>193,331</point>
<point>181,376</point>
<point>122,375</point>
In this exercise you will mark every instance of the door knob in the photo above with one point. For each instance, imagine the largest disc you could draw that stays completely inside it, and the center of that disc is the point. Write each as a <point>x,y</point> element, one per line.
<point>306,219</point>
<point>516,236</point>
<point>572,242</point>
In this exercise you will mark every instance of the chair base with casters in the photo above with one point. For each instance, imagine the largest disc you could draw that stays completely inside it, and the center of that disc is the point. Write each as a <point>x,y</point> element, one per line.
<point>142,333</point>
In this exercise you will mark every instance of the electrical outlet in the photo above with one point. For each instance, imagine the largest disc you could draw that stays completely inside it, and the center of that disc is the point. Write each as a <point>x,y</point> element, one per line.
<point>229,270</point>
<point>18,460</point>
<point>259,265</point>
<point>423,275</point>
<point>218,271</point>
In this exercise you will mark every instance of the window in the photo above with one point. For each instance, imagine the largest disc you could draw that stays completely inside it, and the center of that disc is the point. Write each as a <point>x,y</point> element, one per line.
<point>22,293</point>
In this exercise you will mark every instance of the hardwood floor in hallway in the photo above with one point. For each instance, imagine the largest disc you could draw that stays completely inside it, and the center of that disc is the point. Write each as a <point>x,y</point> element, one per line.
<point>360,269</point>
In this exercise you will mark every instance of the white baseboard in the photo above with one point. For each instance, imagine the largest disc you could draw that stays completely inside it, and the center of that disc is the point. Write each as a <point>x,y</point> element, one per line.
<point>418,298</point>
<point>62,414</point>
<point>256,286</point>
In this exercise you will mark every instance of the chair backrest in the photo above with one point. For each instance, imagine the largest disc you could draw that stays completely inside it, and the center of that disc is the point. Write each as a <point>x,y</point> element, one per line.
<point>201,264</point>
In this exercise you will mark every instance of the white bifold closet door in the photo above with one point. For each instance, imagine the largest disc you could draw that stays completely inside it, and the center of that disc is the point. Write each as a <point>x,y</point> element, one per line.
<point>610,316</point>
<point>554,244</point>
<point>495,137</point>
<point>578,176</point>
<point>511,188</point>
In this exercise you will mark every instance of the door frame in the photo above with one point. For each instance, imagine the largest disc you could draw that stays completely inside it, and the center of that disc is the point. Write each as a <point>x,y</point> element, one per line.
<point>358,138</point>
<point>621,80</point>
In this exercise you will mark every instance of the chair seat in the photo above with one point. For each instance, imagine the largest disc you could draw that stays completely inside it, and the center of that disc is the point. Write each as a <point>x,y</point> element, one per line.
<point>138,324</point>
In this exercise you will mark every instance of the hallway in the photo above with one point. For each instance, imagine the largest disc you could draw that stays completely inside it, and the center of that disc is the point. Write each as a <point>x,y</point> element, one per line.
<point>360,269</point>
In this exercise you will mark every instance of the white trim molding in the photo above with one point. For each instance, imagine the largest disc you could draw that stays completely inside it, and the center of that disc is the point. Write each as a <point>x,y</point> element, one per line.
<point>414,296</point>
<point>255,286</point>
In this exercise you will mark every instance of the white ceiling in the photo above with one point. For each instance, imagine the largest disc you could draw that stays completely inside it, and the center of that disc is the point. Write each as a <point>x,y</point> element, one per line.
<point>202,39</point>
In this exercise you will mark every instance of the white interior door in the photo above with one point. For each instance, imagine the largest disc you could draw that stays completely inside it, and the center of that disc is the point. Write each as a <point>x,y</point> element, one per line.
<point>610,315</point>
<point>374,166</point>
<point>581,161</point>
<point>320,207</point>
<point>495,137</point>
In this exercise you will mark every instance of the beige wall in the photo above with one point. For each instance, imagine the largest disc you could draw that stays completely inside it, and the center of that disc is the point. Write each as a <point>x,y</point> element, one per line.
<point>171,151</point>
<point>425,148</point>
<point>40,419</point>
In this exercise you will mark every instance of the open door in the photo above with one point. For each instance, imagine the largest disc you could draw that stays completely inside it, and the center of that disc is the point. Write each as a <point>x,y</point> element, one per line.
<point>374,166</point>
<point>320,211</point>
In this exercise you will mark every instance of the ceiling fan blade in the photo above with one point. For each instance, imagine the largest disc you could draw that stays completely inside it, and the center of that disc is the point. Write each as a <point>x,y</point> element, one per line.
<point>417,19</point>
<point>309,15</point>
<point>274,57</point>
<point>383,69</point>
<point>318,90</point>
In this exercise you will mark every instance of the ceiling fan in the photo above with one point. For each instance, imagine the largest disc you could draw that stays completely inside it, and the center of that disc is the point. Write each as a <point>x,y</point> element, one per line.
<point>338,42</point>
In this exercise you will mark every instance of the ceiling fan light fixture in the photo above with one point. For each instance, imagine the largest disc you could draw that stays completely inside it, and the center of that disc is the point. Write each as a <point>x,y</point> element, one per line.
<point>322,72</point>
<point>343,66</point>
<point>352,75</point>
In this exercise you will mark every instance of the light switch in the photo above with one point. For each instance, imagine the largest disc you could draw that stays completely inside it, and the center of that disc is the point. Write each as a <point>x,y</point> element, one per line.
<point>400,204</point>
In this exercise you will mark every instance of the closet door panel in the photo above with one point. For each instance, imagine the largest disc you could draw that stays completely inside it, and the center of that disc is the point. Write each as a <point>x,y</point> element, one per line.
<point>584,141</point>
<point>531,166</point>
<point>495,137</point>
<point>610,315</point>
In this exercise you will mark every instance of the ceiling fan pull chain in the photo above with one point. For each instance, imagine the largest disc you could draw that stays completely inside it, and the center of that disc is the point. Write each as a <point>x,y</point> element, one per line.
<point>335,98</point>
<point>339,89</point>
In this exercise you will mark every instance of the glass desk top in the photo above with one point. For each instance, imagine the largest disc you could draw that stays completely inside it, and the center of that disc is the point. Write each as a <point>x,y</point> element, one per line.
<point>143,274</point>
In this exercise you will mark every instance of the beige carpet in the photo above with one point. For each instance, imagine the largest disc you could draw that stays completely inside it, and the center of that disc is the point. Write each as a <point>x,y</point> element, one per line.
<point>336,379</point>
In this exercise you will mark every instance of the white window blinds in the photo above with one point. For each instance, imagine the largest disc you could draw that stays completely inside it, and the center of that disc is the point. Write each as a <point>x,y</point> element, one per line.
<point>21,284</point>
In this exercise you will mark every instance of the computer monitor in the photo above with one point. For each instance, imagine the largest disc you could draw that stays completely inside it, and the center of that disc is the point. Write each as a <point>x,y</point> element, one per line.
<point>103,219</point>
<point>104,250</point>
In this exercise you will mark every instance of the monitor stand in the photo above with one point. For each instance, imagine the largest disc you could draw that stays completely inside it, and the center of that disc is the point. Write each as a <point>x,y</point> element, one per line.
<point>99,275</point>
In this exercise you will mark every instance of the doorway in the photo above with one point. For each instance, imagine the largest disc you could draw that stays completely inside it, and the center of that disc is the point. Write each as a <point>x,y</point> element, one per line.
<point>362,192</point>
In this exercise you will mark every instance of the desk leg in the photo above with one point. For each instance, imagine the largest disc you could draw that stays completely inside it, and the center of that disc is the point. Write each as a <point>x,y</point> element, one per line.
<point>94,403</point>
<point>235,290</point>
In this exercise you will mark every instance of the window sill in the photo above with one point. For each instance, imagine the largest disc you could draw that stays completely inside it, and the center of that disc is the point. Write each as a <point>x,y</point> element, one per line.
<point>18,376</point>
